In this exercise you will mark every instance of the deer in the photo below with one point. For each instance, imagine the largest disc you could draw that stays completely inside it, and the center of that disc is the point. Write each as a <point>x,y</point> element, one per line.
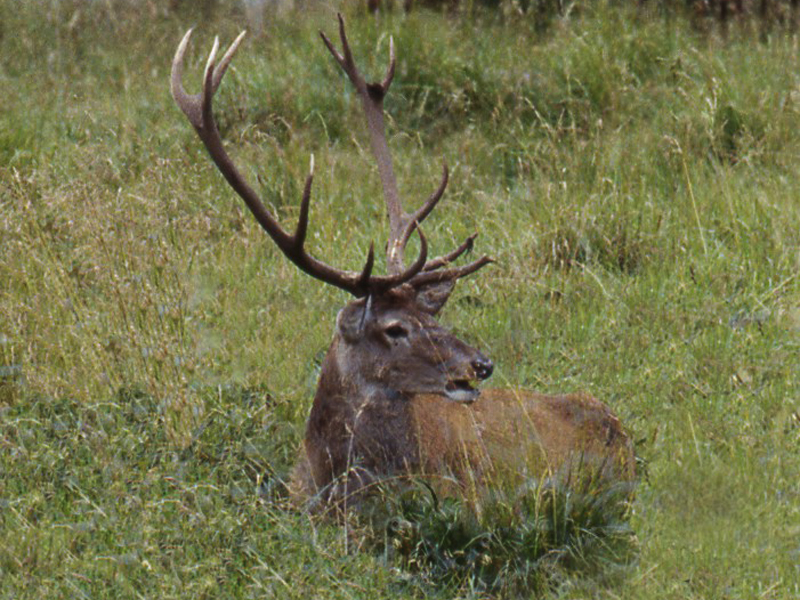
<point>398,394</point>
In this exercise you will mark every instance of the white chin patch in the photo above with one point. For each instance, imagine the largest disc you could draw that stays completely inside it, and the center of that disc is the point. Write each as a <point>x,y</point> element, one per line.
<point>464,396</point>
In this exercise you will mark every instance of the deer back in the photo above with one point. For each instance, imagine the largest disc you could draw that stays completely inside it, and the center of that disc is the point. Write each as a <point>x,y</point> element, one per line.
<point>510,436</point>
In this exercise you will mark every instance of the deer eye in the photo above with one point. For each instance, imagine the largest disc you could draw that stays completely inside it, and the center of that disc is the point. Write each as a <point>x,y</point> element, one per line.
<point>396,331</point>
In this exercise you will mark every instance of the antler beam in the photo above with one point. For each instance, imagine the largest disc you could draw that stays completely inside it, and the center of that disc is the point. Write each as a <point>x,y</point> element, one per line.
<point>198,110</point>
<point>401,223</point>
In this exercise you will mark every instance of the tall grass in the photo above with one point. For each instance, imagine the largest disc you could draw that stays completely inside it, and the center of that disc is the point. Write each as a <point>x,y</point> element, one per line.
<point>636,181</point>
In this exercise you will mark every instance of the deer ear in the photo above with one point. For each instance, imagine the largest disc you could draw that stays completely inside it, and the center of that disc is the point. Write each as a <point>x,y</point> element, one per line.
<point>432,297</point>
<point>352,318</point>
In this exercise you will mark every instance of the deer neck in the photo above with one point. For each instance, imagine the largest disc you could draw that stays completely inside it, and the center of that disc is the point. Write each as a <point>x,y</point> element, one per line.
<point>343,387</point>
<point>354,421</point>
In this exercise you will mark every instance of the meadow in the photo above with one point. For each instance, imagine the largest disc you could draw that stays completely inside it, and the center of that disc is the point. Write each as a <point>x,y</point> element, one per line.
<point>636,180</point>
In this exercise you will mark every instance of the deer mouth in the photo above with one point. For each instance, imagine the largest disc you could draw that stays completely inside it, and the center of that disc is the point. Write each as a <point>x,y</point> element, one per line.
<point>461,390</point>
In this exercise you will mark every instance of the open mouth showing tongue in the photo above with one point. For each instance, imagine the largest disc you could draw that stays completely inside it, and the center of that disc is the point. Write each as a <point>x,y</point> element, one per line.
<point>461,390</point>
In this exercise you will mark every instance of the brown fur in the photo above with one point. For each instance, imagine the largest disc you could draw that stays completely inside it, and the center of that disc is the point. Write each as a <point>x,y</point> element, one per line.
<point>520,434</point>
<point>369,426</point>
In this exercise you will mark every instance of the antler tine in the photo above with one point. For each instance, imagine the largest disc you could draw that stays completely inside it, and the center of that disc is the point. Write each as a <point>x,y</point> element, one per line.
<point>387,79</point>
<point>423,211</point>
<point>207,94</point>
<point>434,276</point>
<point>346,61</point>
<point>367,270</point>
<point>222,67</point>
<point>184,101</point>
<point>198,110</point>
<point>302,220</point>
<point>443,261</point>
<point>372,95</point>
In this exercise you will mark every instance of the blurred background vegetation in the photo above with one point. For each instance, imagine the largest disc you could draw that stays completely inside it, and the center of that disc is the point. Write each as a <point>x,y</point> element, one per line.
<point>632,167</point>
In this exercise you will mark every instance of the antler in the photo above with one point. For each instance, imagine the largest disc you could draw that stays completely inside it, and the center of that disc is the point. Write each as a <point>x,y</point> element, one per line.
<point>401,223</point>
<point>198,110</point>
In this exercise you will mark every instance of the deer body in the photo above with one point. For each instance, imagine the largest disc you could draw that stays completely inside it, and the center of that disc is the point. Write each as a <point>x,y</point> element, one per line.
<point>379,414</point>
<point>508,436</point>
<point>398,393</point>
<point>515,435</point>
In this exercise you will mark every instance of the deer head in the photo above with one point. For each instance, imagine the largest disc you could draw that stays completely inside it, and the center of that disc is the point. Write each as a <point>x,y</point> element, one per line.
<point>393,342</point>
<point>388,335</point>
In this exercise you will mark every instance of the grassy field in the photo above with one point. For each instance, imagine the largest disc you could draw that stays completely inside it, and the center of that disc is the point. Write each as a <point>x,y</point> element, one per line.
<point>637,182</point>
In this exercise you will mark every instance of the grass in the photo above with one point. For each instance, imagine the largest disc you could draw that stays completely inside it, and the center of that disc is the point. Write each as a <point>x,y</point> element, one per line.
<point>636,181</point>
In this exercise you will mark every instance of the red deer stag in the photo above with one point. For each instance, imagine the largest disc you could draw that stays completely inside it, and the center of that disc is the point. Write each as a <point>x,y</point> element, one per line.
<point>397,393</point>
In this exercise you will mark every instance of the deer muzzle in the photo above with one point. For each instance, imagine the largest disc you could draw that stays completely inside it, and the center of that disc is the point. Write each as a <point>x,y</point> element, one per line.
<point>464,389</point>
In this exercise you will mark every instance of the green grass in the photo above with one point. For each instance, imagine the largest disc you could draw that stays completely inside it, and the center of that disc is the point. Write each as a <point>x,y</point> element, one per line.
<point>637,183</point>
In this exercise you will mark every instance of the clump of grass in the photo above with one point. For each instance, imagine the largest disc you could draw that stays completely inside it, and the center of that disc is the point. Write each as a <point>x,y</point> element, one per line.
<point>620,248</point>
<point>512,542</point>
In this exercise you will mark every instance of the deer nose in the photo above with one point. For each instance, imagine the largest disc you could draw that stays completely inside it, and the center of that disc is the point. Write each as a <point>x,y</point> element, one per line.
<point>483,367</point>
